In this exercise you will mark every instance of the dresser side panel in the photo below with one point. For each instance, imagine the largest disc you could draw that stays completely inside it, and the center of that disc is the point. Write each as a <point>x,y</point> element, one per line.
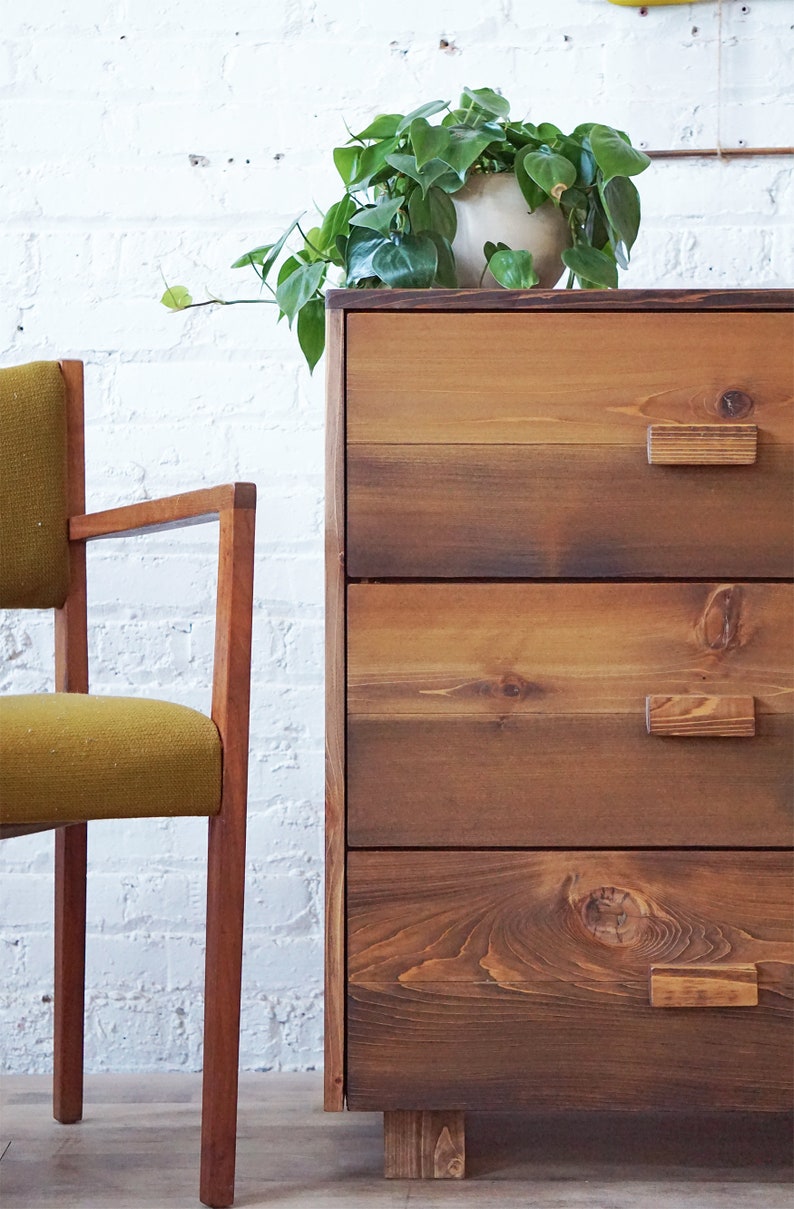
<point>335,719</point>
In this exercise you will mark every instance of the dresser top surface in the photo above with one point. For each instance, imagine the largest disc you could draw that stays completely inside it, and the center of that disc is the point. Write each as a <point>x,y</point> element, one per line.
<point>560,300</point>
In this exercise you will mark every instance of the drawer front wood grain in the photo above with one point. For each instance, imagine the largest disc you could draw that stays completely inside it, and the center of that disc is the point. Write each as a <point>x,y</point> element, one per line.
<point>516,511</point>
<point>567,919</point>
<point>458,962</point>
<point>504,649</point>
<point>561,781</point>
<point>564,379</point>
<point>479,445</point>
<point>463,1047</point>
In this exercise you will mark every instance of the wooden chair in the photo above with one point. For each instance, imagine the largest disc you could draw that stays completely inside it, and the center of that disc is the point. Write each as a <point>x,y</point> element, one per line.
<point>67,758</point>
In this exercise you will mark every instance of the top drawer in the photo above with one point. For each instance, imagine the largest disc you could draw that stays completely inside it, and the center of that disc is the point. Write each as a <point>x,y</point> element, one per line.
<point>515,445</point>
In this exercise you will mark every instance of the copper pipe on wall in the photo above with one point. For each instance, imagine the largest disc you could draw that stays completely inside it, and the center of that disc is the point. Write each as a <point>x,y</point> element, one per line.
<point>718,152</point>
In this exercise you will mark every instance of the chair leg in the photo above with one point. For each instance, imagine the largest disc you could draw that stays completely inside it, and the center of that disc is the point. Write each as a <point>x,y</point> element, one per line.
<point>70,898</point>
<point>225,891</point>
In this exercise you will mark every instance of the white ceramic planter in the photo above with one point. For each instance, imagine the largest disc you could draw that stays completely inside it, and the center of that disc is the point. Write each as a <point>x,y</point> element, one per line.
<point>492,207</point>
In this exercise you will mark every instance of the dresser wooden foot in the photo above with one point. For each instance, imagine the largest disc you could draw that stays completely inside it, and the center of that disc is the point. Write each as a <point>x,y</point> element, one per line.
<point>424,1145</point>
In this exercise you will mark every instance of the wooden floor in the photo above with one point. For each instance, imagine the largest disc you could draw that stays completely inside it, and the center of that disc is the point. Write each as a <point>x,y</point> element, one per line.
<point>138,1147</point>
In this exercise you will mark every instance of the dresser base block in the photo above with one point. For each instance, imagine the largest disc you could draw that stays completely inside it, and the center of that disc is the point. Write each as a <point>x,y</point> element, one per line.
<point>422,1145</point>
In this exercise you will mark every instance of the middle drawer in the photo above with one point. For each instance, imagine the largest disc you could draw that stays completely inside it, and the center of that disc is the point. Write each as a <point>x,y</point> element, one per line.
<point>515,714</point>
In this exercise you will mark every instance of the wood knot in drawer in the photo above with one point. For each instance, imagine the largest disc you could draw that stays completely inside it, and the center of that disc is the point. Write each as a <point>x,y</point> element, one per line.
<point>719,627</point>
<point>614,916</point>
<point>734,404</point>
<point>510,686</point>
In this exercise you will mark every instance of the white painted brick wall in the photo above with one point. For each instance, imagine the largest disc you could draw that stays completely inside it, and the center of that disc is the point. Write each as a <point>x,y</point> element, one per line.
<point>102,102</point>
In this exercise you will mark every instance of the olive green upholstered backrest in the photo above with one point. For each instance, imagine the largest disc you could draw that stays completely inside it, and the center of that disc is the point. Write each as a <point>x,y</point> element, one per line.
<point>34,552</point>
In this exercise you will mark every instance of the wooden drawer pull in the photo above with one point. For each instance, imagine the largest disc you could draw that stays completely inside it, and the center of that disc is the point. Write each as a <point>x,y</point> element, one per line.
<point>704,986</point>
<point>700,717</point>
<point>702,444</point>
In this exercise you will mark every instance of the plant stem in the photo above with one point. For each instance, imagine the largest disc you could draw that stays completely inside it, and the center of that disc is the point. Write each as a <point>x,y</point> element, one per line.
<point>309,242</point>
<point>230,302</point>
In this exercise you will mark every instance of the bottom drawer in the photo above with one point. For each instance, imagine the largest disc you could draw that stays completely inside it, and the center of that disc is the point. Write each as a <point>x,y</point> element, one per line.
<point>525,980</point>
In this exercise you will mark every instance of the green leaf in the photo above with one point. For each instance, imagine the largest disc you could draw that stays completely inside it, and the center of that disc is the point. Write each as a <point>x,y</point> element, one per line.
<point>254,257</point>
<point>361,247</point>
<point>534,196</point>
<point>466,145</point>
<point>554,173</point>
<point>513,270</point>
<point>485,98</point>
<point>592,266</point>
<point>424,111</point>
<point>522,134</point>
<point>346,162</point>
<point>311,330</point>
<point>549,133</point>
<point>409,264</point>
<point>582,159</point>
<point>429,142</point>
<point>384,126</point>
<point>271,253</point>
<point>371,160</point>
<point>614,156</point>
<point>176,298</point>
<point>621,254</point>
<point>378,217</point>
<point>622,207</point>
<point>489,247</point>
<point>336,222</point>
<point>446,270</point>
<point>296,290</point>
<point>596,227</point>
<point>449,181</point>
<point>289,266</point>
<point>432,212</point>
<point>312,249</point>
<point>424,176</point>
<point>574,199</point>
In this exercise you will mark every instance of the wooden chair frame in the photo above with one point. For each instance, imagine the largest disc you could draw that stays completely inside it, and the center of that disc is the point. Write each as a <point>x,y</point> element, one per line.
<point>234,506</point>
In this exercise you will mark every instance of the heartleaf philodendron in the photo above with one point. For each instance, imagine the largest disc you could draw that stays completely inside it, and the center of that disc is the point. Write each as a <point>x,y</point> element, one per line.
<point>394,226</point>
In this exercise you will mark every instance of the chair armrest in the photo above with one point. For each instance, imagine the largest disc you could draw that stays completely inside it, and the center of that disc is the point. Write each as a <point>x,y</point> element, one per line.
<point>234,505</point>
<point>233,606</point>
<point>171,512</point>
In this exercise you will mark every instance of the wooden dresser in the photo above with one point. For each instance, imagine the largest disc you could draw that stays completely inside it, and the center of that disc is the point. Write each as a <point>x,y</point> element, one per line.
<point>560,706</point>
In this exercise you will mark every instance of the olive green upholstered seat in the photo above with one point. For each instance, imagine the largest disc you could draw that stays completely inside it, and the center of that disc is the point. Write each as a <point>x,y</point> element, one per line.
<point>66,757</point>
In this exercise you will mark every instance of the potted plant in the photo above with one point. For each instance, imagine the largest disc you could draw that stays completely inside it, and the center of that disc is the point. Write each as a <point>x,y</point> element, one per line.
<point>407,180</point>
